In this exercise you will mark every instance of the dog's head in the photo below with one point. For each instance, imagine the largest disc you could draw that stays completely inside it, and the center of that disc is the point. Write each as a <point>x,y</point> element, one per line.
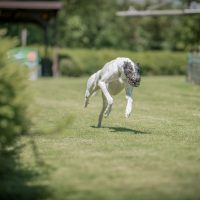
<point>132,73</point>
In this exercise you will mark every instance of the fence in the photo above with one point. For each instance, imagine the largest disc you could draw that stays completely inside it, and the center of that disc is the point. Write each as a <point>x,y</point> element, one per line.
<point>193,71</point>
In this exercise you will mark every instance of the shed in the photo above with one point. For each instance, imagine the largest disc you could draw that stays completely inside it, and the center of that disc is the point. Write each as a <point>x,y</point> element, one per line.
<point>35,11</point>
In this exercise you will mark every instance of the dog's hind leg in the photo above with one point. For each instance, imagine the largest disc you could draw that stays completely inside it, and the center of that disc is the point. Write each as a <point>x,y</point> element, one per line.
<point>108,97</point>
<point>102,110</point>
<point>90,93</point>
<point>90,89</point>
<point>87,96</point>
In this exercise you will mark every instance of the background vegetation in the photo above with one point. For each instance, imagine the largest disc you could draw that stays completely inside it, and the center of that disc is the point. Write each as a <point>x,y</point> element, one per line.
<point>13,98</point>
<point>94,24</point>
<point>15,121</point>
<point>76,62</point>
<point>90,34</point>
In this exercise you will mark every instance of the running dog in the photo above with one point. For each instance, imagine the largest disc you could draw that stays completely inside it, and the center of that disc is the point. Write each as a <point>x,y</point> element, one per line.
<point>111,79</point>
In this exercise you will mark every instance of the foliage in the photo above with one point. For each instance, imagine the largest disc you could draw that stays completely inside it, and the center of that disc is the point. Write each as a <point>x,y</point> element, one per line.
<point>68,67</point>
<point>13,101</point>
<point>94,24</point>
<point>100,27</point>
<point>85,61</point>
<point>91,29</point>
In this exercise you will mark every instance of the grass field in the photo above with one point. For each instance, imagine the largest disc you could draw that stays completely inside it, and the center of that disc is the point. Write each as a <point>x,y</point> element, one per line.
<point>155,154</point>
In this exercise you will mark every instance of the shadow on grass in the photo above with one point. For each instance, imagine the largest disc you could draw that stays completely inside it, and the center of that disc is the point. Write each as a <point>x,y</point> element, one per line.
<point>18,182</point>
<point>122,130</point>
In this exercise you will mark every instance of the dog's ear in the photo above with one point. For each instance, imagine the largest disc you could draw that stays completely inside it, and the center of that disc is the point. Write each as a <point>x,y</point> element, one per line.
<point>128,70</point>
<point>127,65</point>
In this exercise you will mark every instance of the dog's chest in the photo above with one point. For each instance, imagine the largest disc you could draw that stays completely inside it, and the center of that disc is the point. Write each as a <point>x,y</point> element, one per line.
<point>116,86</point>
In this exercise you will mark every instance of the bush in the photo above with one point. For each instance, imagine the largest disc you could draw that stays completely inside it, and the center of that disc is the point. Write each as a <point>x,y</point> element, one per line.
<point>67,68</point>
<point>86,62</point>
<point>13,99</point>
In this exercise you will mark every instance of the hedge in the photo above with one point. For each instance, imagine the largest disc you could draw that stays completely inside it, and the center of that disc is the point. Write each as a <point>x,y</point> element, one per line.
<point>87,61</point>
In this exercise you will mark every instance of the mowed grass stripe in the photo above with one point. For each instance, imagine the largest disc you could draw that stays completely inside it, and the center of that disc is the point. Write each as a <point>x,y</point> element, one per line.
<point>155,154</point>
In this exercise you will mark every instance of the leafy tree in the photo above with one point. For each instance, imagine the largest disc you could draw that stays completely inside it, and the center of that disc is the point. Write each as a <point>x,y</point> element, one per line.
<point>94,24</point>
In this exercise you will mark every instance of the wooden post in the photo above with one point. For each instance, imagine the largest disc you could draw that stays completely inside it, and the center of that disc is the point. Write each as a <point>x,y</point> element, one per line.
<point>46,41</point>
<point>55,50</point>
<point>24,37</point>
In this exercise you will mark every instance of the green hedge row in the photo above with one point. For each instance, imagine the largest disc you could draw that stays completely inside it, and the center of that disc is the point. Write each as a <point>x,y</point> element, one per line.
<point>85,62</point>
<point>13,98</point>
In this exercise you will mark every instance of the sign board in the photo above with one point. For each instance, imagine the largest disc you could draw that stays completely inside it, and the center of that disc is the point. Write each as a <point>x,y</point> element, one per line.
<point>27,56</point>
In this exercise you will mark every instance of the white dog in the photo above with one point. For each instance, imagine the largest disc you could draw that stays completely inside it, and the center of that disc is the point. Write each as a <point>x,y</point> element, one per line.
<point>111,79</point>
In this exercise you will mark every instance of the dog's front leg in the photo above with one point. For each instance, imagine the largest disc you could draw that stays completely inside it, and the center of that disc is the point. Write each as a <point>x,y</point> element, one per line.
<point>129,94</point>
<point>109,99</point>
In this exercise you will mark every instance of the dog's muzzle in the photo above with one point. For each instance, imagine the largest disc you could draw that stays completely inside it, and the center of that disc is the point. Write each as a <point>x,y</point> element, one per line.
<point>135,82</point>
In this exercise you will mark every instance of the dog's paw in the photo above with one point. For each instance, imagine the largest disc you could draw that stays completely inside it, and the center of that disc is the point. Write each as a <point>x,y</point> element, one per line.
<point>107,111</point>
<point>128,111</point>
<point>127,114</point>
<point>106,114</point>
<point>86,102</point>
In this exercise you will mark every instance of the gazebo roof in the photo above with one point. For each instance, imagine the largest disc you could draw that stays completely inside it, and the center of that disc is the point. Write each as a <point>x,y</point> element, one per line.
<point>31,5</point>
<point>39,12</point>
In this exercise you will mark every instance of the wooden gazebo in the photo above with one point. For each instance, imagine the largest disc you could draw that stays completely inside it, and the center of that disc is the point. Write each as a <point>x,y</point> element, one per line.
<point>35,11</point>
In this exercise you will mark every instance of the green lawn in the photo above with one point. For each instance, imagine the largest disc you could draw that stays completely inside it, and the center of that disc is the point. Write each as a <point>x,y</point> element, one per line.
<point>155,154</point>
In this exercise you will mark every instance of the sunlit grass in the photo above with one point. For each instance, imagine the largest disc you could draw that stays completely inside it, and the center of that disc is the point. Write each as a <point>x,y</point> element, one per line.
<point>155,154</point>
